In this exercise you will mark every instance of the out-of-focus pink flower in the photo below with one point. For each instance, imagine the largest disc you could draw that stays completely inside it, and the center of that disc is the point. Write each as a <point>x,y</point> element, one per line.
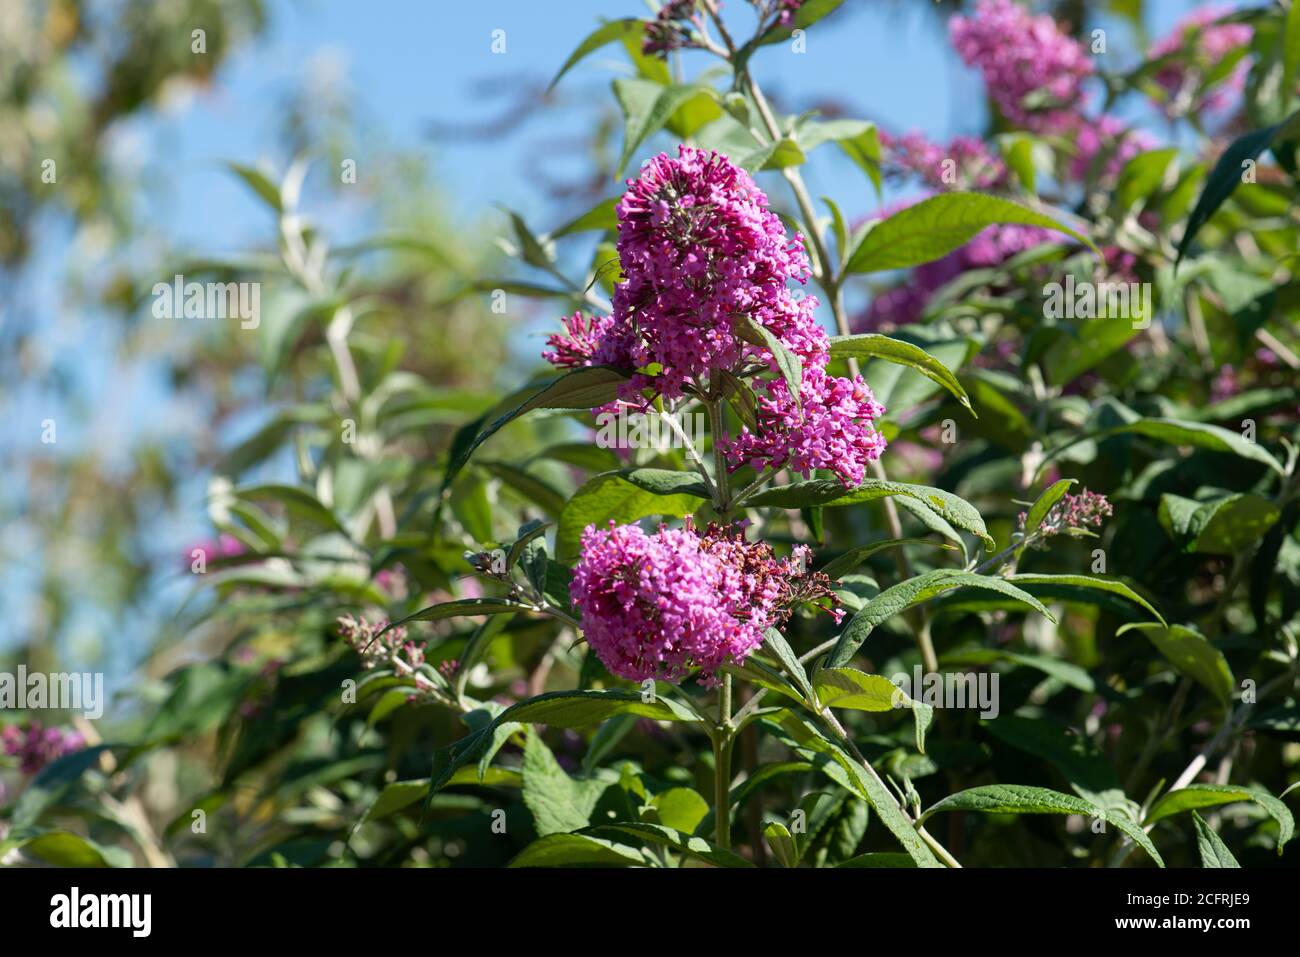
<point>226,546</point>
<point>963,163</point>
<point>1204,45</point>
<point>35,746</point>
<point>1225,385</point>
<point>1109,135</point>
<point>1031,68</point>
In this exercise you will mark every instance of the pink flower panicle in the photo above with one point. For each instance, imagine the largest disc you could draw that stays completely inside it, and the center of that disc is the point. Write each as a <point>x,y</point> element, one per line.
<point>1087,509</point>
<point>578,344</point>
<point>703,257</point>
<point>824,434</point>
<point>1031,68</point>
<point>656,606</point>
<point>36,746</point>
<point>700,250</point>
<point>1206,44</point>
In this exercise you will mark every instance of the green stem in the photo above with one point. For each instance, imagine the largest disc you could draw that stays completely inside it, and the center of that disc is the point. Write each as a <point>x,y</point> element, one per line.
<point>721,479</point>
<point>723,739</point>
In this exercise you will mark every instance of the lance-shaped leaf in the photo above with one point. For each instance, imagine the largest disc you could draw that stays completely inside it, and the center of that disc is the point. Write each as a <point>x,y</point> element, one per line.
<point>613,32</point>
<point>832,760</point>
<point>1191,653</point>
<point>1227,175</point>
<point>1019,799</point>
<point>934,227</point>
<point>1175,432</point>
<point>821,492</point>
<point>625,496</point>
<point>1214,853</point>
<point>914,591</point>
<point>843,564</point>
<point>874,346</point>
<point>859,691</point>
<point>1210,795</point>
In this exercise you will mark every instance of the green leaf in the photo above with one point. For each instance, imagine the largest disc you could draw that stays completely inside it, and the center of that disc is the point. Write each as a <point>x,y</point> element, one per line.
<point>873,346</point>
<point>1227,176</point>
<point>1178,432</point>
<point>778,155</point>
<point>775,642</point>
<point>461,608</point>
<point>1290,51</point>
<point>1038,511</point>
<point>818,492</point>
<point>601,217</point>
<point>856,690</point>
<point>1191,653</point>
<point>623,497</point>
<point>835,763</point>
<point>790,364</point>
<point>536,490</point>
<point>1019,799</point>
<point>259,183</point>
<point>296,501</point>
<point>577,850</point>
<point>1214,853</point>
<point>575,709</point>
<point>52,785</point>
<point>611,32</point>
<point>843,564</point>
<point>1060,586</point>
<point>396,797</point>
<point>879,859</point>
<point>1223,526</point>
<point>897,599</point>
<point>682,842</point>
<point>580,389</point>
<point>1070,675</point>
<point>647,107</point>
<point>65,849</point>
<point>782,844</point>
<point>859,691</point>
<point>558,803</point>
<point>808,13</point>
<point>681,809</point>
<point>1210,795</point>
<point>934,227</point>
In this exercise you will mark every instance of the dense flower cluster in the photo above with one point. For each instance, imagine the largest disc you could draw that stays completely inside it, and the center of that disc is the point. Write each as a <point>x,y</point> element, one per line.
<point>1035,73</point>
<point>578,344</point>
<point>35,746</point>
<point>704,261</point>
<point>656,606</point>
<point>1031,69</point>
<point>1206,44</point>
